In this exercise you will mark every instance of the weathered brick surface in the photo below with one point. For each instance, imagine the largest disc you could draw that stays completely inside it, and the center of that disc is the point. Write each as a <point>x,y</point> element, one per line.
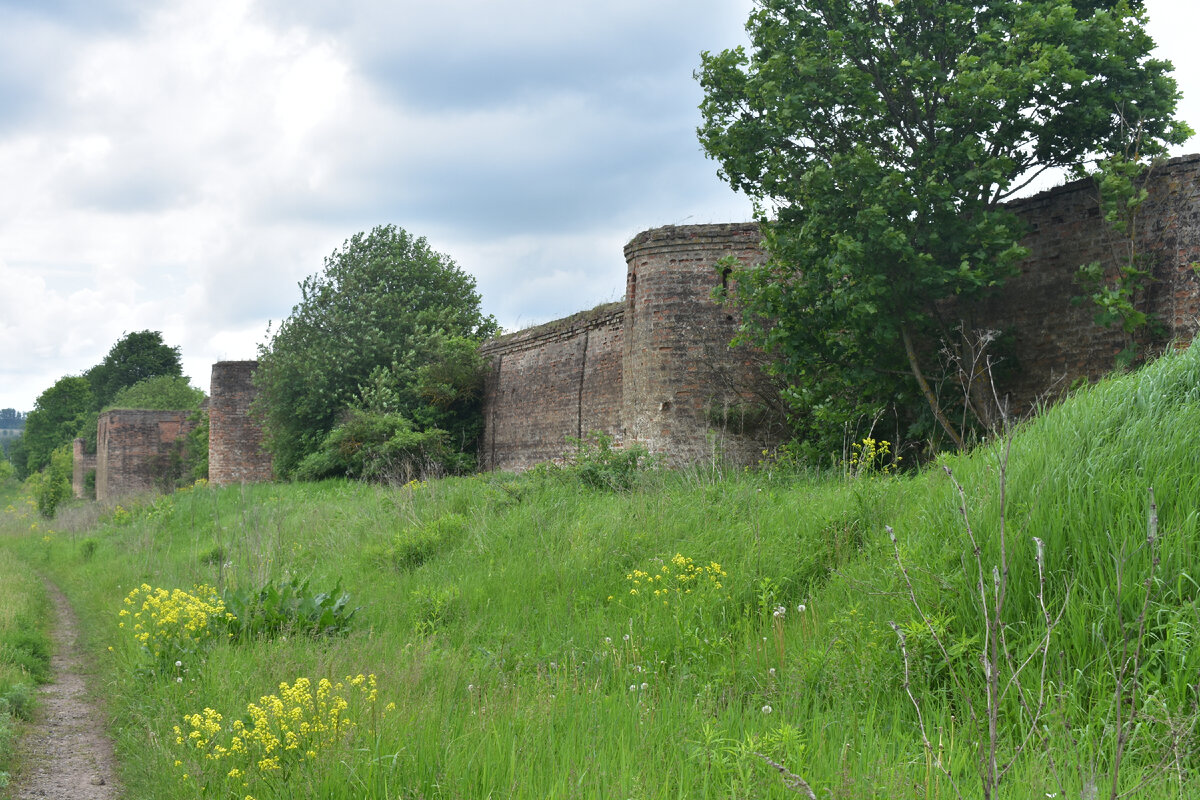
<point>681,377</point>
<point>235,452</point>
<point>658,368</point>
<point>550,382</point>
<point>83,463</point>
<point>134,449</point>
<point>1057,342</point>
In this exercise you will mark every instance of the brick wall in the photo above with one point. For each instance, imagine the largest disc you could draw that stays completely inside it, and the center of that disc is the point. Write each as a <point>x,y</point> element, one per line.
<point>135,449</point>
<point>1056,341</point>
<point>662,373</point>
<point>83,462</point>
<point>685,389</point>
<point>235,453</point>
<point>550,382</point>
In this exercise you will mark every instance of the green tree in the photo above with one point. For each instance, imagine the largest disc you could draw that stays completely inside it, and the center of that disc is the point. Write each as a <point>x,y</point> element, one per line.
<point>162,392</point>
<point>18,455</point>
<point>52,485</point>
<point>55,420</point>
<point>884,137</point>
<point>383,304</point>
<point>135,357</point>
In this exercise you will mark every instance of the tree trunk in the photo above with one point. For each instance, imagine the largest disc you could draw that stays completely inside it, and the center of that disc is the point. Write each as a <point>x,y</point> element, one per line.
<point>925,390</point>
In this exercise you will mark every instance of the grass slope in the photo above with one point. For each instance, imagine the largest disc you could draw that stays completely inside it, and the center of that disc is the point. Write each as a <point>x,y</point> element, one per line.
<point>532,637</point>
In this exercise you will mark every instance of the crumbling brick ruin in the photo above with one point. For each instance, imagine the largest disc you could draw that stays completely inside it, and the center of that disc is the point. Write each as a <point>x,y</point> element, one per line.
<point>657,369</point>
<point>681,391</point>
<point>235,452</point>
<point>135,450</point>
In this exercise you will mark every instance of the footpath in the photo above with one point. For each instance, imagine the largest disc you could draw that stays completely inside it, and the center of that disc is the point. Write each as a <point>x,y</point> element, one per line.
<point>65,753</point>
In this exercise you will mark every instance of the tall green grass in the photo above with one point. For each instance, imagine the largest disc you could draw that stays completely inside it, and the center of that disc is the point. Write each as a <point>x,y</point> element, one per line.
<point>497,613</point>
<point>24,643</point>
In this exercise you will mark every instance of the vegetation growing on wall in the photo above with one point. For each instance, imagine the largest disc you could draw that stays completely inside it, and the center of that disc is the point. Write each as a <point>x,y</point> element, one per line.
<point>883,138</point>
<point>161,393</point>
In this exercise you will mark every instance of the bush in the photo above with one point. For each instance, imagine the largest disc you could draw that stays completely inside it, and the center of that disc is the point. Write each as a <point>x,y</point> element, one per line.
<point>380,447</point>
<point>597,463</point>
<point>52,485</point>
<point>162,392</point>
<point>287,607</point>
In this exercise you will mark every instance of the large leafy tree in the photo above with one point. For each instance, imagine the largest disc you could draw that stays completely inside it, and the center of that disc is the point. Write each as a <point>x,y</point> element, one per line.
<point>135,357</point>
<point>55,419</point>
<point>364,335</point>
<point>882,137</point>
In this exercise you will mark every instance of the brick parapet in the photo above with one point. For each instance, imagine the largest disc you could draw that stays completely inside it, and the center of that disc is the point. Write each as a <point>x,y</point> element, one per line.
<point>548,383</point>
<point>134,449</point>
<point>603,316</point>
<point>235,437</point>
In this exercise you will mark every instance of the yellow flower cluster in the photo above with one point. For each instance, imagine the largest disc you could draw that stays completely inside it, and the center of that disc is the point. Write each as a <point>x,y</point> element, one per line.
<point>678,577</point>
<point>282,732</point>
<point>173,623</point>
<point>872,455</point>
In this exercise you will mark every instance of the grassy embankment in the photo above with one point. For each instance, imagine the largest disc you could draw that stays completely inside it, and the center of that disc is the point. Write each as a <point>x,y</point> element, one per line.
<point>533,637</point>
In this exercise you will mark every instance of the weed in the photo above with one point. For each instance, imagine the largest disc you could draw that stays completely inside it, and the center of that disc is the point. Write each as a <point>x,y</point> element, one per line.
<point>287,606</point>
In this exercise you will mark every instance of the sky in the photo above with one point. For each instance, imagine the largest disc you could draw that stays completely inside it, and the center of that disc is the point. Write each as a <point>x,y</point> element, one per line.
<point>182,165</point>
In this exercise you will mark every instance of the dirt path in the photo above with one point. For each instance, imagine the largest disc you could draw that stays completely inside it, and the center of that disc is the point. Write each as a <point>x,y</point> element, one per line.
<point>65,755</point>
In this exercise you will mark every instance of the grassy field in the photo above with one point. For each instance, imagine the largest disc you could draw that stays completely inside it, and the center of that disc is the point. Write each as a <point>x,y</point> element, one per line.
<point>709,633</point>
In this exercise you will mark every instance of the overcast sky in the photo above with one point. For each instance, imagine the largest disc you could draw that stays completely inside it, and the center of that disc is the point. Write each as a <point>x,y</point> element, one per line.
<point>181,165</point>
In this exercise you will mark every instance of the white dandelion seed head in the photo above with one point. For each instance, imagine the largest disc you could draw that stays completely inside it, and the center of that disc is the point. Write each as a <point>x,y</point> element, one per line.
<point>766,709</point>
<point>800,608</point>
<point>645,686</point>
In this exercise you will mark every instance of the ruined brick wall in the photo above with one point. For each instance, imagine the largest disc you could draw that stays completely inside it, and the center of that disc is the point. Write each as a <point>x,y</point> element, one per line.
<point>1057,342</point>
<point>550,382</point>
<point>686,392</point>
<point>680,386</point>
<point>82,463</point>
<point>235,453</point>
<point>135,450</point>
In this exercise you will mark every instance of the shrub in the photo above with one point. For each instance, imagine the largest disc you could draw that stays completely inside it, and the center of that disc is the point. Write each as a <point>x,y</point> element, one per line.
<point>379,447</point>
<point>52,485</point>
<point>596,462</point>
<point>287,607</point>
<point>413,546</point>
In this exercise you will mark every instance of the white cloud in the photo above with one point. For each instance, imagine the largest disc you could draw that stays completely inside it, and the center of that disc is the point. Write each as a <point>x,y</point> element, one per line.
<point>181,165</point>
